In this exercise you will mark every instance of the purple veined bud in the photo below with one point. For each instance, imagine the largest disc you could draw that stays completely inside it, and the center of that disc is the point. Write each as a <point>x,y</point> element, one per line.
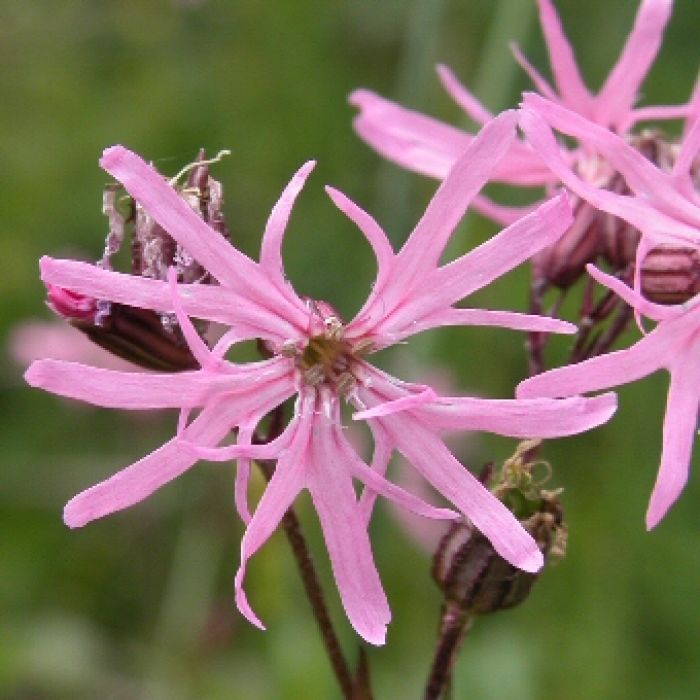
<point>147,338</point>
<point>671,275</point>
<point>467,568</point>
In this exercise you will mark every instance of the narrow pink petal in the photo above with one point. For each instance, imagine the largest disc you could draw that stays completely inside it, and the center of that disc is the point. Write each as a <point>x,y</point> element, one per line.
<point>230,338</point>
<point>619,93</point>
<point>524,418</point>
<point>484,317</point>
<point>421,252</point>
<point>271,247</point>
<point>654,351</point>
<point>434,461</point>
<point>411,139</point>
<point>141,479</point>
<point>206,301</point>
<point>680,425</point>
<point>653,113</point>
<point>381,486</point>
<point>693,112</point>
<point>172,213</point>
<point>537,78</point>
<point>643,177</point>
<point>462,96</point>
<point>197,346</point>
<point>562,60</point>
<point>346,536</point>
<point>231,267</point>
<point>375,236</point>
<point>446,209</point>
<point>405,403</point>
<point>136,482</point>
<point>287,481</point>
<point>657,312</point>
<point>500,213</point>
<point>285,485</point>
<point>689,151</point>
<point>479,267</point>
<point>428,146</point>
<point>132,390</point>
<point>381,456</point>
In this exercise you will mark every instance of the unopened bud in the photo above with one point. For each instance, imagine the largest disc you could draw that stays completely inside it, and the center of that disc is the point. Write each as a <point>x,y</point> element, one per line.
<point>671,275</point>
<point>466,566</point>
<point>71,305</point>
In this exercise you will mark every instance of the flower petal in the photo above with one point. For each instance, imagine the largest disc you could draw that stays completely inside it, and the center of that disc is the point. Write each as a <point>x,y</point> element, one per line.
<point>657,312</point>
<point>271,247</point>
<point>462,96</point>
<point>524,418</point>
<point>619,93</point>
<point>482,265</point>
<point>485,317</point>
<point>562,60</point>
<point>436,463</point>
<point>133,390</point>
<point>346,537</point>
<point>231,267</point>
<point>537,78</point>
<point>206,301</point>
<point>680,425</point>
<point>411,139</point>
<point>648,355</point>
<point>141,479</point>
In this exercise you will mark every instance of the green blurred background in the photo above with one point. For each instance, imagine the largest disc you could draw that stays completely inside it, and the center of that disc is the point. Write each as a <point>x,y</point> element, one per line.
<point>140,606</point>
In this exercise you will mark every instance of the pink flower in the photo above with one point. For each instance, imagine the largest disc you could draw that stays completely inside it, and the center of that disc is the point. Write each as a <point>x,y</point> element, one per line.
<point>665,207</point>
<point>662,205</point>
<point>320,360</point>
<point>673,345</point>
<point>428,146</point>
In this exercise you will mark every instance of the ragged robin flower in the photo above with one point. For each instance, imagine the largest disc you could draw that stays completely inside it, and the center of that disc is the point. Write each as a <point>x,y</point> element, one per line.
<point>664,206</point>
<point>321,360</point>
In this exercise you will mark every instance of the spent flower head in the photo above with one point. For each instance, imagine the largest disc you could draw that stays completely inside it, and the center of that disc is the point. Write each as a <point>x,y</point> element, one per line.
<point>320,360</point>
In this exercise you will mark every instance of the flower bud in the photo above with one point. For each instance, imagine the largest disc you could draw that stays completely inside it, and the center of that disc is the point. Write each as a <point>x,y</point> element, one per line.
<point>467,568</point>
<point>669,275</point>
<point>71,305</point>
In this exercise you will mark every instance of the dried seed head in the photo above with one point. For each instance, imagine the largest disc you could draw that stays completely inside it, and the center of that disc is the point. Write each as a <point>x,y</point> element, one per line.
<point>144,337</point>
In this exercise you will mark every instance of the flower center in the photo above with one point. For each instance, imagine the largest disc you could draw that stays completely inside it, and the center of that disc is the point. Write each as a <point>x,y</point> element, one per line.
<point>328,359</point>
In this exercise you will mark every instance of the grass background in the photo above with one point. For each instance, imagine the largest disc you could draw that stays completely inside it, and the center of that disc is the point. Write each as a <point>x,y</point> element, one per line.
<point>139,606</point>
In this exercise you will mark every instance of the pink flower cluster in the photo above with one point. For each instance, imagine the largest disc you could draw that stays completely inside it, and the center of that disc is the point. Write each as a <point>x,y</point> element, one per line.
<point>659,200</point>
<point>318,360</point>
